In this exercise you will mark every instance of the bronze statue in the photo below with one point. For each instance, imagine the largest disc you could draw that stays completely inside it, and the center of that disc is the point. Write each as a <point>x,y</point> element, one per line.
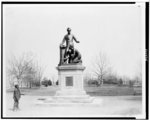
<point>74,56</point>
<point>68,54</point>
<point>68,38</point>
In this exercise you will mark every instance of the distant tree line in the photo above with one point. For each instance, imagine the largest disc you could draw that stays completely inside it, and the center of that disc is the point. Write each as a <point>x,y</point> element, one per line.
<point>111,81</point>
<point>102,70</point>
<point>47,82</point>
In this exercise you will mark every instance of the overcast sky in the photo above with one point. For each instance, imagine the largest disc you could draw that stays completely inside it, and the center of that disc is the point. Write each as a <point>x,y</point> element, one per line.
<point>112,29</point>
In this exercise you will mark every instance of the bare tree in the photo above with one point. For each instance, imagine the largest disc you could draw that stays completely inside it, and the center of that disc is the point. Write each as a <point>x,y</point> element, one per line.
<point>24,68</point>
<point>18,66</point>
<point>39,73</point>
<point>101,67</point>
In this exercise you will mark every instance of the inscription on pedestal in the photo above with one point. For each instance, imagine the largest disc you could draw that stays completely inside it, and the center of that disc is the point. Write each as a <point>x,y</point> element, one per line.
<point>69,81</point>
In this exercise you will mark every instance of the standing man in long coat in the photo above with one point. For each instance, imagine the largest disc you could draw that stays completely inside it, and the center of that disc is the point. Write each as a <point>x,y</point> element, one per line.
<point>16,97</point>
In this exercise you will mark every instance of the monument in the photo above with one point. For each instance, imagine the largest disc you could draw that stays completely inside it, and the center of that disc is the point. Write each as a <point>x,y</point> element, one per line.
<point>70,72</point>
<point>70,75</point>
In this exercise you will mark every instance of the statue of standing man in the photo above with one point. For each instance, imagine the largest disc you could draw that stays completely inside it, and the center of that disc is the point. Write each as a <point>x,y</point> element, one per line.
<point>69,38</point>
<point>68,54</point>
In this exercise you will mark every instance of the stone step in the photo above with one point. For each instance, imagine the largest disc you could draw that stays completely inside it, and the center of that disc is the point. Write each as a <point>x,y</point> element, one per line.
<point>66,104</point>
<point>92,102</point>
<point>70,93</point>
<point>66,99</point>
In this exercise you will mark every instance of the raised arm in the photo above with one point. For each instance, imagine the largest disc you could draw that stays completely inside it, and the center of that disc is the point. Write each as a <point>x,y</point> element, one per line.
<point>75,39</point>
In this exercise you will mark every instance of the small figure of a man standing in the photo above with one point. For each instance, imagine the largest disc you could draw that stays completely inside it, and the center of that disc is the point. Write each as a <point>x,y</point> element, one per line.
<point>68,38</point>
<point>16,97</point>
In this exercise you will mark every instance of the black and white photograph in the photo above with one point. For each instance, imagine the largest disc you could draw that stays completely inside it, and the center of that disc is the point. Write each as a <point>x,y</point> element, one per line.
<point>74,60</point>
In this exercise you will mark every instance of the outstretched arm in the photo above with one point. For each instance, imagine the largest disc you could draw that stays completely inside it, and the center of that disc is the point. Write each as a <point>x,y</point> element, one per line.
<point>75,39</point>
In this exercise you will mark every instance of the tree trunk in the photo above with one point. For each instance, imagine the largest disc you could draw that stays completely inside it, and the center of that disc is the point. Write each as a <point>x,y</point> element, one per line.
<point>101,80</point>
<point>30,84</point>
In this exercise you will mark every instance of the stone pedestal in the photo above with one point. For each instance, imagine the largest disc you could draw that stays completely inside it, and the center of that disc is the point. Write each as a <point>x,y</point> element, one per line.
<point>71,84</point>
<point>70,78</point>
<point>71,87</point>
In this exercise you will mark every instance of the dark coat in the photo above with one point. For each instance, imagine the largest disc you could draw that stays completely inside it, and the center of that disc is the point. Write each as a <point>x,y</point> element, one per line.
<point>16,94</point>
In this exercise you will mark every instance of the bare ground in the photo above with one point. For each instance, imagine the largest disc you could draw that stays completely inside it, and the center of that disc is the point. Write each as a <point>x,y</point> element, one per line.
<point>108,105</point>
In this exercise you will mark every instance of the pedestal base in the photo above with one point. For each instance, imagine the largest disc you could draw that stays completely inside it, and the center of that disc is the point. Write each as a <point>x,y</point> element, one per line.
<point>71,86</point>
<point>72,96</point>
<point>69,96</point>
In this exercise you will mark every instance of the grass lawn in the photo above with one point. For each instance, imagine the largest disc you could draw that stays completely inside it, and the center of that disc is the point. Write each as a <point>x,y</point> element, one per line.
<point>105,90</point>
<point>113,90</point>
